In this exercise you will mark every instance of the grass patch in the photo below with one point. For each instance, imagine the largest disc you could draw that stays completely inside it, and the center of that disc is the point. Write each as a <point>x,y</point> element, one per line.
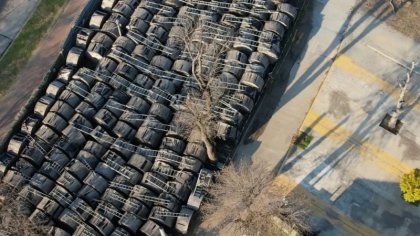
<point>303,140</point>
<point>27,40</point>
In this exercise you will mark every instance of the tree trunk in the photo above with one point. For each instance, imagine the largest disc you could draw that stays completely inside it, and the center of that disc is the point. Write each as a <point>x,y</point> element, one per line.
<point>397,112</point>
<point>209,146</point>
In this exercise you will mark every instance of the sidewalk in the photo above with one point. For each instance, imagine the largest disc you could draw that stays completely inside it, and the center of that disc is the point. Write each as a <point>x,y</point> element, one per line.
<point>42,59</point>
<point>280,116</point>
<point>13,16</point>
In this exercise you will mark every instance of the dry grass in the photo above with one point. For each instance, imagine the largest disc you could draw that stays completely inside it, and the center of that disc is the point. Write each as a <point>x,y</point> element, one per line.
<point>13,220</point>
<point>406,18</point>
<point>243,199</point>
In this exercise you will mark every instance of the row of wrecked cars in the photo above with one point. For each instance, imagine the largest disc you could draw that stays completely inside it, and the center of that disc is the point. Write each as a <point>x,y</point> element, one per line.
<point>104,152</point>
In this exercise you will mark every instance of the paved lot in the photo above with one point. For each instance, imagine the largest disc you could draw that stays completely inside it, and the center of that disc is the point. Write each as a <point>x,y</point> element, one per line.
<point>342,85</point>
<point>13,15</point>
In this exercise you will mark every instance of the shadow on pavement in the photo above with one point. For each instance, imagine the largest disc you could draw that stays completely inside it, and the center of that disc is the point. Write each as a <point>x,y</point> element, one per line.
<point>355,140</point>
<point>276,88</point>
<point>2,4</point>
<point>363,203</point>
<point>289,164</point>
<point>276,93</point>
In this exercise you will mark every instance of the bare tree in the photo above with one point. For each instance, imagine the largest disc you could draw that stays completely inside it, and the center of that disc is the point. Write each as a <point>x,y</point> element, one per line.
<point>13,220</point>
<point>395,115</point>
<point>245,198</point>
<point>205,45</point>
<point>183,123</point>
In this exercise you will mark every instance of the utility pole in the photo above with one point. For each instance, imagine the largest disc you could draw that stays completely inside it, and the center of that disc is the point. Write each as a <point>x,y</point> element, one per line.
<point>392,123</point>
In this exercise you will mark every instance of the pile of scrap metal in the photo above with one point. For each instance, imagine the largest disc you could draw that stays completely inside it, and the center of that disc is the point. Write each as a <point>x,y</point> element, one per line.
<point>100,154</point>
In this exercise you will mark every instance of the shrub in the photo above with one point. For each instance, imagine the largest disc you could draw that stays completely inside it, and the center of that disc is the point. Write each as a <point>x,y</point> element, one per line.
<point>303,140</point>
<point>410,186</point>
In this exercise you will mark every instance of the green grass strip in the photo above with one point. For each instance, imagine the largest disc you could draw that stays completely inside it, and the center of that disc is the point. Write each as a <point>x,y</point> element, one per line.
<point>27,40</point>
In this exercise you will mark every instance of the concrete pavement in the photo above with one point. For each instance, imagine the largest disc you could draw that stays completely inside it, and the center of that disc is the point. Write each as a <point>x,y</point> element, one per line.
<point>341,86</point>
<point>279,117</point>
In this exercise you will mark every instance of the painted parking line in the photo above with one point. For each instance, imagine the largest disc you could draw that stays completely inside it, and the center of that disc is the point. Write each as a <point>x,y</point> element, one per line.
<point>330,130</point>
<point>345,63</point>
<point>337,218</point>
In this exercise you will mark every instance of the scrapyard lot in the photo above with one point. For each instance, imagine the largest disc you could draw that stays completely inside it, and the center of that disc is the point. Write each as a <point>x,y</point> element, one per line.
<point>107,148</point>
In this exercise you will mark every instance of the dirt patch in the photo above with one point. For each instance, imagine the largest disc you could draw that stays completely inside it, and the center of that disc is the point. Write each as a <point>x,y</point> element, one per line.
<point>406,18</point>
<point>339,104</point>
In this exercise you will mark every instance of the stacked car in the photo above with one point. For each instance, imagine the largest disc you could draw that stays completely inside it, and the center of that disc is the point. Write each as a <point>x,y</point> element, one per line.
<point>103,152</point>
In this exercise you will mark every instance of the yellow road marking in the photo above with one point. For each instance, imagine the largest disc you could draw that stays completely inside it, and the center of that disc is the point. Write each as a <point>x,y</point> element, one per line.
<point>326,127</point>
<point>336,217</point>
<point>346,63</point>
